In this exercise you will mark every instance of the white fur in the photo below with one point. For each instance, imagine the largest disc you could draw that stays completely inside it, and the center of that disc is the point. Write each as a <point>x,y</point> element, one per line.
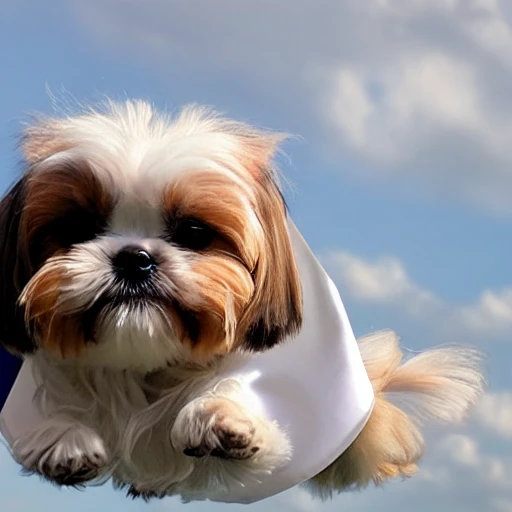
<point>139,149</point>
<point>137,427</point>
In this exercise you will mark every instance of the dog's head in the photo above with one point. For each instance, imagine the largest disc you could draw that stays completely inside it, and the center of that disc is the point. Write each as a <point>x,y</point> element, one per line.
<point>139,240</point>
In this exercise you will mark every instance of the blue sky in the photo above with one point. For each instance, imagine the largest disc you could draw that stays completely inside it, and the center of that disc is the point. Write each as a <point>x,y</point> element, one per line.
<point>402,177</point>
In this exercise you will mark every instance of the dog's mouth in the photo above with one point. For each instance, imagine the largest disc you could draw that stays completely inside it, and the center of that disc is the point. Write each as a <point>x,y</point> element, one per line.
<point>133,300</point>
<point>126,300</point>
<point>136,297</point>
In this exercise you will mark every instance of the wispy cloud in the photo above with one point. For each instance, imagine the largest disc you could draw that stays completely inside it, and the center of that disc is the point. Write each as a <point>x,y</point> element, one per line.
<point>385,281</point>
<point>417,90</point>
<point>495,413</point>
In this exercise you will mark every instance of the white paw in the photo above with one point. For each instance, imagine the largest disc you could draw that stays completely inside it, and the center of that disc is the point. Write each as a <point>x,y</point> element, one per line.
<point>64,453</point>
<point>219,427</point>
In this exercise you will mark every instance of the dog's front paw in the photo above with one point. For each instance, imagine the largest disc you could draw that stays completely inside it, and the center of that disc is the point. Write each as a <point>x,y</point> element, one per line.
<point>237,438</point>
<point>228,438</point>
<point>64,453</point>
<point>216,427</point>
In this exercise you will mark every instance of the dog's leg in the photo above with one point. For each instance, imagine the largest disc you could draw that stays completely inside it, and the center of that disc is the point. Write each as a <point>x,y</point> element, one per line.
<point>62,451</point>
<point>223,427</point>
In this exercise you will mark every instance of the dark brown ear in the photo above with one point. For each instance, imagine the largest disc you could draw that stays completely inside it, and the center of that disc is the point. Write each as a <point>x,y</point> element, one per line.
<point>275,312</point>
<point>14,272</point>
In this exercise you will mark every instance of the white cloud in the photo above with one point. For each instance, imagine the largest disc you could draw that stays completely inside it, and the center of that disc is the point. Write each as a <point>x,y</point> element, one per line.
<point>385,281</point>
<point>415,95</point>
<point>495,413</point>
<point>501,505</point>
<point>493,312</point>
<point>491,31</point>
<point>458,456</point>
<point>356,109</point>
<point>418,90</point>
<point>461,449</point>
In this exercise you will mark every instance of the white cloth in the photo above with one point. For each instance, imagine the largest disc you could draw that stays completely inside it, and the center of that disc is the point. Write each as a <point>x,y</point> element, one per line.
<point>315,386</point>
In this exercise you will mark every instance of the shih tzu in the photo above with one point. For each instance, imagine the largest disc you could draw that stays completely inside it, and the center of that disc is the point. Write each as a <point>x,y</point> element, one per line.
<point>139,253</point>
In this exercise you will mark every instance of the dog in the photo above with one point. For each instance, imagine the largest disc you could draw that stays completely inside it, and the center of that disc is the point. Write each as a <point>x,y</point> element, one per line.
<point>140,253</point>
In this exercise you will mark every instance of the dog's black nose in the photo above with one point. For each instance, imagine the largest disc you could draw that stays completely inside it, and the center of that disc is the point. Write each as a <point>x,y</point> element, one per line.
<point>134,264</point>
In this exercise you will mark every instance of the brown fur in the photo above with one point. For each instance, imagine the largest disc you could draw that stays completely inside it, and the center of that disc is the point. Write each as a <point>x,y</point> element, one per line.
<point>58,333</point>
<point>250,284</point>
<point>275,311</point>
<point>14,272</point>
<point>225,275</point>
<point>53,194</point>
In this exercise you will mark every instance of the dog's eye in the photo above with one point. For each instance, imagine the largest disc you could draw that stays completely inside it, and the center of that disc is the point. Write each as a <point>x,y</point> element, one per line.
<point>77,227</point>
<point>192,234</point>
<point>73,227</point>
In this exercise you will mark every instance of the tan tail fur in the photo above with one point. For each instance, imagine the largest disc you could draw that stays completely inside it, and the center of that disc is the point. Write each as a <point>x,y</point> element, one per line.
<point>441,384</point>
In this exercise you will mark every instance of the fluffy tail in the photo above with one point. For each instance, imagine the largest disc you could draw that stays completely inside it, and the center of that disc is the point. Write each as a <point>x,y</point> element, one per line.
<point>442,384</point>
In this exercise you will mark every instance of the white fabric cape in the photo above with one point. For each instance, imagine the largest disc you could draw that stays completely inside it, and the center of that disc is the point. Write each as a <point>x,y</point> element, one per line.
<point>314,385</point>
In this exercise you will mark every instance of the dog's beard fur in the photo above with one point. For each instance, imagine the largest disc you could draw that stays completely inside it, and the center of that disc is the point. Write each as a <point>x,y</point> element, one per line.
<point>128,373</point>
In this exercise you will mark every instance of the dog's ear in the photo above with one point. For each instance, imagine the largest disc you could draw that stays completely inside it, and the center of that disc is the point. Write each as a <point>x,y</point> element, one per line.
<point>275,311</point>
<point>14,271</point>
<point>276,308</point>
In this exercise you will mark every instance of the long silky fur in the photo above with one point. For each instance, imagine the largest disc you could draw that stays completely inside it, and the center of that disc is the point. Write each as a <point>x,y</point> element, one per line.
<point>133,415</point>
<point>440,385</point>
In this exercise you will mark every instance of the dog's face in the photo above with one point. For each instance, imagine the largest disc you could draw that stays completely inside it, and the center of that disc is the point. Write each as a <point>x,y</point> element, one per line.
<point>136,240</point>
